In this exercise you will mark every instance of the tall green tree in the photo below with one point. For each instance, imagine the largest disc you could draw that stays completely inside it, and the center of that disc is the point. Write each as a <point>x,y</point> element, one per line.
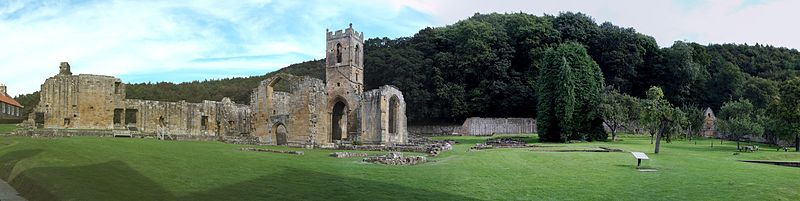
<point>678,73</point>
<point>694,120</point>
<point>569,95</point>
<point>787,111</point>
<point>659,112</point>
<point>618,110</point>
<point>761,92</point>
<point>556,96</point>
<point>738,119</point>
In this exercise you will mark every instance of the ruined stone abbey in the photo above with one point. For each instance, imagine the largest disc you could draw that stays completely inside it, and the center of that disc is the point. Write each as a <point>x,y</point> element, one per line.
<point>310,112</point>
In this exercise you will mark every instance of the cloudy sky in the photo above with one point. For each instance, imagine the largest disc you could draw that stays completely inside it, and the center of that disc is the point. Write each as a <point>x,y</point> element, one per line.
<point>141,41</point>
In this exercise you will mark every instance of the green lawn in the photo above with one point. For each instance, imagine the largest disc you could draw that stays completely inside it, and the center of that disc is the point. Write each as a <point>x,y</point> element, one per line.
<point>90,168</point>
<point>7,128</point>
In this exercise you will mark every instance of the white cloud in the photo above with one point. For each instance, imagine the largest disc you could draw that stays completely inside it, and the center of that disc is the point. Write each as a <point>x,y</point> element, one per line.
<point>146,38</point>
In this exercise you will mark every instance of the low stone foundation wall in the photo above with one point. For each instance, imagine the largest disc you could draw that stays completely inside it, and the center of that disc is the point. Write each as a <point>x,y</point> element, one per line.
<point>414,148</point>
<point>247,140</point>
<point>273,151</point>
<point>64,133</point>
<point>396,158</point>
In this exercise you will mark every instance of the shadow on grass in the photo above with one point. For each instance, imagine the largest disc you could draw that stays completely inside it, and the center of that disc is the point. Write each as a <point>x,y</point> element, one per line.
<point>113,180</point>
<point>9,160</point>
<point>116,180</point>
<point>298,184</point>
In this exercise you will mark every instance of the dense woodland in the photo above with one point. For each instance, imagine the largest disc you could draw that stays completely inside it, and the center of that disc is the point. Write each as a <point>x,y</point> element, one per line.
<point>490,65</point>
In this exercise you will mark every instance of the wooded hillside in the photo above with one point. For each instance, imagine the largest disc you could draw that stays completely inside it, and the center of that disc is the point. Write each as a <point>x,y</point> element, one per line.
<point>488,65</point>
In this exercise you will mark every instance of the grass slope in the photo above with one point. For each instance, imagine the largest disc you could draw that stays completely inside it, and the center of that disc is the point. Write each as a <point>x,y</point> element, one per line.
<point>7,128</point>
<point>88,168</point>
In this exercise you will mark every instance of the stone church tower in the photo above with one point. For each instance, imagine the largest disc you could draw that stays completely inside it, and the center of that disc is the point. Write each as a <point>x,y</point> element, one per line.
<point>344,78</point>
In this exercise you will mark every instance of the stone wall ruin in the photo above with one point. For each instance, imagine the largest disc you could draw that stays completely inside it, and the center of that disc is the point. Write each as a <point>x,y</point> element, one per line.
<point>284,109</point>
<point>479,126</point>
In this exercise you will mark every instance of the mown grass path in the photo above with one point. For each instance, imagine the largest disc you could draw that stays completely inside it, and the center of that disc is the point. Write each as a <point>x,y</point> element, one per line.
<point>90,168</point>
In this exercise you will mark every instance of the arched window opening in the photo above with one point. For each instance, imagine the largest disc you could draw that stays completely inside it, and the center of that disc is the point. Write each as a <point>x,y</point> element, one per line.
<point>338,53</point>
<point>281,134</point>
<point>356,54</point>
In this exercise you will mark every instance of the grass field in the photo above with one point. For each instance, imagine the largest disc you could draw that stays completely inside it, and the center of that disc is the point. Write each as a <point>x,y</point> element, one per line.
<point>90,168</point>
<point>6,128</point>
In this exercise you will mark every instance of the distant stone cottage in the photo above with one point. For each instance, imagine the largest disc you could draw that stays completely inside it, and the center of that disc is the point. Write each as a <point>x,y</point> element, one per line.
<point>709,124</point>
<point>10,109</point>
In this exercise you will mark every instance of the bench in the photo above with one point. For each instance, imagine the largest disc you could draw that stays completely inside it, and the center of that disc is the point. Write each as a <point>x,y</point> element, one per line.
<point>639,157</point>
<point>752,148</point>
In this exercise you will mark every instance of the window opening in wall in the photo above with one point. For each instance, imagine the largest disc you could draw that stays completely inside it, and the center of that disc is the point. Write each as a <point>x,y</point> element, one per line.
<point>67,122</point>
<point>204,122</point>
<point>117,90</point>
<point>118,116</point>
<point>356,56</point>
<point>161,121</point>
<point>338,53</point>
<point>130,116</point>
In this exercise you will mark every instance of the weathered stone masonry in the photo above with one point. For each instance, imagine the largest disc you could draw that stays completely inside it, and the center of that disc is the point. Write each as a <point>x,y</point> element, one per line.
<point>308,112</point>
<point>98,102</point>
<point>336,110</point>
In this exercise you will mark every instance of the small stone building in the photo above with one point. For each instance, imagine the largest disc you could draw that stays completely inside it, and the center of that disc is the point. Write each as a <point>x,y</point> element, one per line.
<point>284,109</point>
<point>10,109</point>
<point>709,124</point>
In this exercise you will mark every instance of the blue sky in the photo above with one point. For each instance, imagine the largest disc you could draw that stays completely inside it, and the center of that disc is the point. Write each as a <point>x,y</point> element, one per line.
<point>141,41</point>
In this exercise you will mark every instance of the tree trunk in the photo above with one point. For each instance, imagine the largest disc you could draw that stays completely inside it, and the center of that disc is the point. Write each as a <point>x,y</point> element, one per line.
<point>689,133</point>
<point>797,142</point>
<point>658,135</point>
<point>737,145</point>
<point>613,135</point>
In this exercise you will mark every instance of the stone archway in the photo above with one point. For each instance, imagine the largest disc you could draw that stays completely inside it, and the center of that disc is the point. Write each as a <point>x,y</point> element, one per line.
<point>339,120</point>
<point>281,134</point>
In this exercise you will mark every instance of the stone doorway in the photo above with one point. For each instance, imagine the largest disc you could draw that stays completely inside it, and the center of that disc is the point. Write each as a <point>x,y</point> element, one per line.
<point>280,134</point>
<point>339,121</point>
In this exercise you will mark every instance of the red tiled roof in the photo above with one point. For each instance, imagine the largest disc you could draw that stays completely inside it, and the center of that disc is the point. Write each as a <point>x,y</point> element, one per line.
<point>4,98</point>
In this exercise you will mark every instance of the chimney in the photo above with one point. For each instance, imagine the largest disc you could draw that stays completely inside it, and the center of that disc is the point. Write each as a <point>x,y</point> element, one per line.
<point>3,89</point>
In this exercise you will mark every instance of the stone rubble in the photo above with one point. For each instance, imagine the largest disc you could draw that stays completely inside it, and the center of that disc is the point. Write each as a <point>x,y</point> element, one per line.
<point>506,142</point>
<point>396,158</point>
<point>348,154</point>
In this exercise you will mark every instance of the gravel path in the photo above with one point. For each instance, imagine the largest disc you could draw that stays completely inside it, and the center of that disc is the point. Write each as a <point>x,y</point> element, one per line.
<point>7,193</point>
